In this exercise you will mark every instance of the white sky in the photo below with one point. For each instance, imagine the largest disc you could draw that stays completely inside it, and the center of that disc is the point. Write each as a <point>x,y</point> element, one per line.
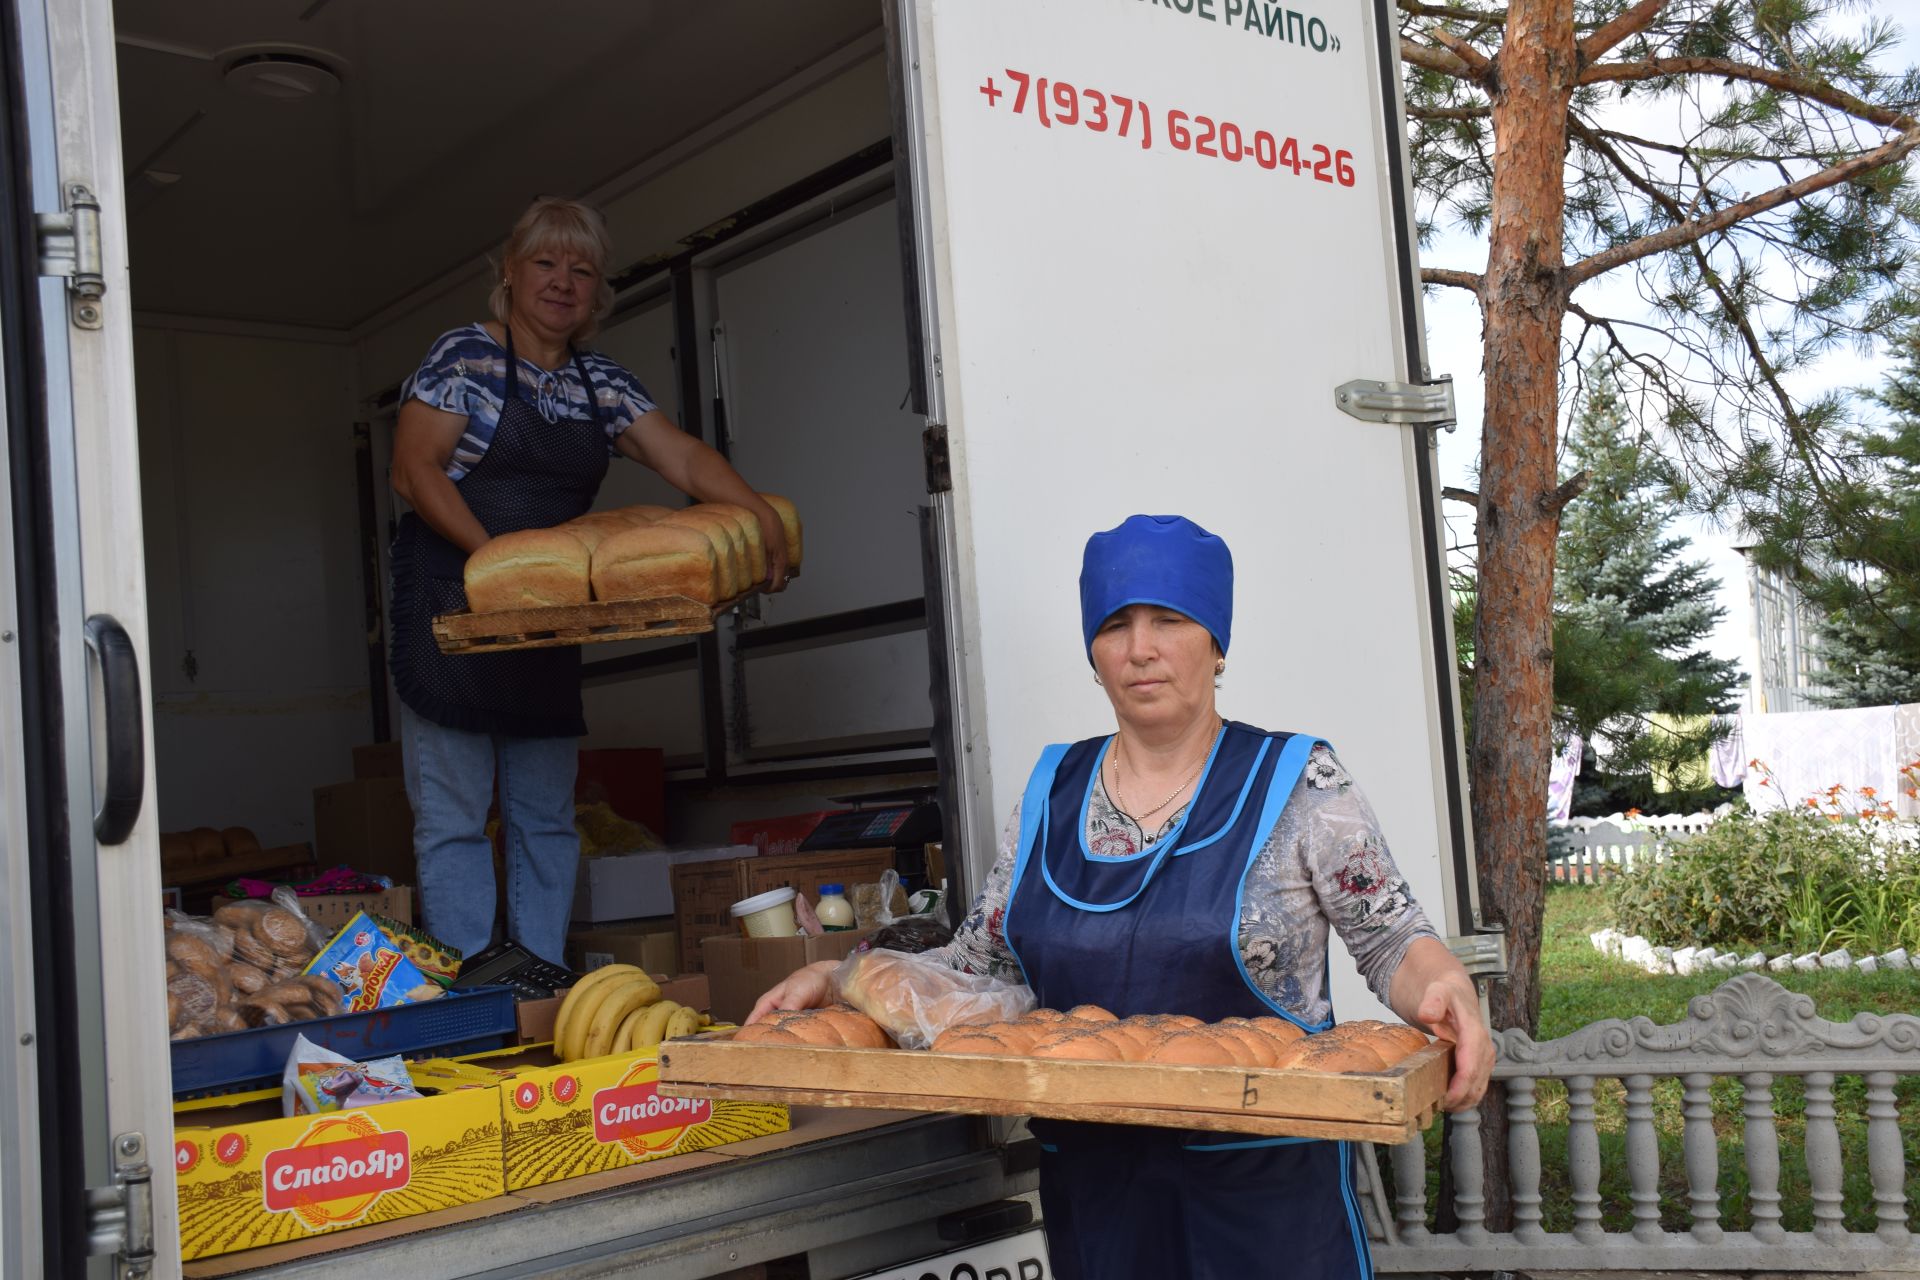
<point>1453,346</point>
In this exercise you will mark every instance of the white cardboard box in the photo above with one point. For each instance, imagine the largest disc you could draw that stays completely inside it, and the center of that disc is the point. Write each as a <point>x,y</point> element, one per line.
<point>631,886</point>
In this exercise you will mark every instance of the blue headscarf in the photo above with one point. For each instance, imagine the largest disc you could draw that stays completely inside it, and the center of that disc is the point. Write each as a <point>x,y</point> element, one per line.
<point>1164,560</point>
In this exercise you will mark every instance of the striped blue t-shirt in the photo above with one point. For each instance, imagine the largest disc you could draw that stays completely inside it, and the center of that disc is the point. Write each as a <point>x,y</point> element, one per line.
<point>466,373</point>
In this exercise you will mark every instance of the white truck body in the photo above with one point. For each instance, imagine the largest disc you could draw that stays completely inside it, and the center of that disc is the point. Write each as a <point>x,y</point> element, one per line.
<point>1109,313</point>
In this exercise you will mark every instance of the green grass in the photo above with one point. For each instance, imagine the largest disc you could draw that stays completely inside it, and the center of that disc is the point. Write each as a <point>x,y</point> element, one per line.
<point>1580,986</point>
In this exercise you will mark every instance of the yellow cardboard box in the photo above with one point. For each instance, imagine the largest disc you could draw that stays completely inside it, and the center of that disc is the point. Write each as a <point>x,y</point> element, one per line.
<point>249,1177</point>
<point>606,1113</point>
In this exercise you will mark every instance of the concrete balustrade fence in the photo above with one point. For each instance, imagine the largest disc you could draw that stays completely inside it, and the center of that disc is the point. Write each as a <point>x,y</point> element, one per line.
<point>1750,1029</point>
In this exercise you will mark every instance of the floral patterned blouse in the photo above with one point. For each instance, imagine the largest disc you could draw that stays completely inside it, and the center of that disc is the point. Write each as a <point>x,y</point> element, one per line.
<point>1325,864</point>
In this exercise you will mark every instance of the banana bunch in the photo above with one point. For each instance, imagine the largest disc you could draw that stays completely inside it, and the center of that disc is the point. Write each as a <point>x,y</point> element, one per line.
<point>617,1009</point>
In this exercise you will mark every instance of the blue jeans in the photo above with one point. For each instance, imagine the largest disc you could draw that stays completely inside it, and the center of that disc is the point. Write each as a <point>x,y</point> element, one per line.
<point>450,777</point>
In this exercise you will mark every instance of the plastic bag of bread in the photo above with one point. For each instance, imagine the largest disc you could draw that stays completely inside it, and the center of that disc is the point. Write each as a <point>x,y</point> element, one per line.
<point>242,968</point>
<point>914,997</point>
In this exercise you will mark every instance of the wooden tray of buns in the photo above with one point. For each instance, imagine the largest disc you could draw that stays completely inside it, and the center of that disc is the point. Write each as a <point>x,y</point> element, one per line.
<point>1393,1106</point>
<point>599,622</point>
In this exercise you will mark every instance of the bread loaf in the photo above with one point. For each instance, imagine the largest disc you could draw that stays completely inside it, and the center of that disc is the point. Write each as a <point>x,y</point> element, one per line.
<point>657,560</point>
<point>596,527</point>
<point>790,520</point>
<point>749,526</point>
<point>729,545</point>
<point>1193,1048</point>
<point>205,845</point>
<point>1078,1046</point>
<point>1091,1013</point>
<point>239,840</point>
<point>532,569</point>
<point>970,1040</point>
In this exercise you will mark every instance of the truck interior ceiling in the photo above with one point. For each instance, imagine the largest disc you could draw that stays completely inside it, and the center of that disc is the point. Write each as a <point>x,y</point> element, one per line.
<point>319,188</point>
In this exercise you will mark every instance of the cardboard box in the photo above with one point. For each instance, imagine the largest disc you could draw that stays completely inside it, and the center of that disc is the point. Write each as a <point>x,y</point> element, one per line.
<point>534,1019</point>
<point>331,911</point>
<point>808,871</point>
<point>366,825</point>
<point>630,886</point>
<point>652,945</point>
<point>623,887</point>
<point>778,835</point>
<point>583,1118</point>
<point>703,895</point>
<point>377,760</point>
<point>740,970</point>
<point>248,1177</point>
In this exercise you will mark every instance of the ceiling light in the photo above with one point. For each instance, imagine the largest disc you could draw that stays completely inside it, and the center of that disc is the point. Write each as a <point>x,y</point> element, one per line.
<point>283,77</point>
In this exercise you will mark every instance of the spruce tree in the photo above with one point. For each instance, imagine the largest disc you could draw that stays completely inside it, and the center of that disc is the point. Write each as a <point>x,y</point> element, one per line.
<point>1631,612</point>
<point>1866,579</point>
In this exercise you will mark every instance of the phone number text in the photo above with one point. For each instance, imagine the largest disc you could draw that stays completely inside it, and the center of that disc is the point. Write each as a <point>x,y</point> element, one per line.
<point>1058,102</point>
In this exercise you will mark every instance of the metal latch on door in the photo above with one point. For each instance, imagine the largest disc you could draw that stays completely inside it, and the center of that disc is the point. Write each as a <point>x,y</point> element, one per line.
<point>1406,404</point>
<point>120,1216</point>
<point>70,247</point>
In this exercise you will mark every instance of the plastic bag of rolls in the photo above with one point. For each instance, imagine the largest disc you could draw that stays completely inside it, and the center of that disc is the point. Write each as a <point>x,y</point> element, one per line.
<point>915,998</point>
<point>241,968</point>
<point>711,552</point>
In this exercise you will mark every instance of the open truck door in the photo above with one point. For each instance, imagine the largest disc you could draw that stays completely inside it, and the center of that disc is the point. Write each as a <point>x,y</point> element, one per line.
<point>86,1183</point>
<point>1167,264</point>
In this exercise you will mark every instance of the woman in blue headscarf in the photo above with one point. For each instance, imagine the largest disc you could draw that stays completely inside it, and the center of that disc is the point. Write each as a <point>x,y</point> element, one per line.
<point>1188,864</point>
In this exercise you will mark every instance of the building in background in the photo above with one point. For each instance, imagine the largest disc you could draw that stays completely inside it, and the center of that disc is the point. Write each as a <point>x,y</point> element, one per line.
<point>1780,658</point>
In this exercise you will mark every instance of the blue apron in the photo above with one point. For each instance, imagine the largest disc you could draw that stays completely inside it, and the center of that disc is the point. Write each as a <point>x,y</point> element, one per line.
<point>1158,932</point>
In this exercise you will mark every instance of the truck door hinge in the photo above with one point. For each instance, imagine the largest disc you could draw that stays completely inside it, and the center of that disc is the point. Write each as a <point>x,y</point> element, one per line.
<point>933,443</point>
<point>70,247</point>
<point>1406,404</point>
<point>120,1216</point>
<point>1484,953</point>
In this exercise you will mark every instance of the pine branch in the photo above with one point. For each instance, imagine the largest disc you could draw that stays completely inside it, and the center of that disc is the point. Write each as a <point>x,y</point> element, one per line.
<point>1797,434</point>
<point>1727,68</point>
<point>1457,12</point>
<point>1477,61</point>
<point>1458,279</point>
<point>1457,494</point>
<point>1554,503</point>
<point>1697,228</point>
<point>1449,113</point>
<point>1432,59</point>
<point>1630,23</point>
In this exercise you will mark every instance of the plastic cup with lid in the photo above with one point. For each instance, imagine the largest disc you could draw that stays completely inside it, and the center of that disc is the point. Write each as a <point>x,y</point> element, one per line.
<point>769,914</point>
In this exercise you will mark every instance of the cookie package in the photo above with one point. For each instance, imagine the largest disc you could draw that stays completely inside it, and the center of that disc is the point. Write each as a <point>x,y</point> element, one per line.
<point>370,968</point>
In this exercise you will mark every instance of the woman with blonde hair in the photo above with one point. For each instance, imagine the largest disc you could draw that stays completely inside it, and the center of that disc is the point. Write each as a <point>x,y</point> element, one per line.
<point>509,424</point>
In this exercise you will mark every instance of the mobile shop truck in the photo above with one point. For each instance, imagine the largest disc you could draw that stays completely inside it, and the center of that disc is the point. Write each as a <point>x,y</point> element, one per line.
<point>967,279</point>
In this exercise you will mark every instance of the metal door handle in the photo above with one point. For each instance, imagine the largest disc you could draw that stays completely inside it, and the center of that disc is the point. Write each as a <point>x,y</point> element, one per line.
<point>119,806</point>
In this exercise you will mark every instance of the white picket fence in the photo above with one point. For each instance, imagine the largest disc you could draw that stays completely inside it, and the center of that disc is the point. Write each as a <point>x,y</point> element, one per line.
<point>1579,850</point>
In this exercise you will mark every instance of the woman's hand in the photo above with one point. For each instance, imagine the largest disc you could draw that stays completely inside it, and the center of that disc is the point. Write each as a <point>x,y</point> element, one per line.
<point>701,472</point>
<point>1431,990</point>
<point>1450,1013</point>
<point>806,988</point>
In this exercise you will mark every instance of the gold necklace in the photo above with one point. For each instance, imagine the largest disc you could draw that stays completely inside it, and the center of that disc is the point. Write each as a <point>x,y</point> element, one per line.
<point>1120,801</point>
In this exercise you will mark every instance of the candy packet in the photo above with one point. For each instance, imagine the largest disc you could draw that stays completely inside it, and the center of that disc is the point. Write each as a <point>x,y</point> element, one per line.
<point>318,1080</point>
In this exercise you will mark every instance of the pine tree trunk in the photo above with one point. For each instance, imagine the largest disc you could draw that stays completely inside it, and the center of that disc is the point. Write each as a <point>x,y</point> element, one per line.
<point>1523,302</point>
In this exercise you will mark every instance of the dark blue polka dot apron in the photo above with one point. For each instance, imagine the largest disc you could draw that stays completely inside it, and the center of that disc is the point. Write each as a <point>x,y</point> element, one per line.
<point>1157,932</point>
<point>535,474</point>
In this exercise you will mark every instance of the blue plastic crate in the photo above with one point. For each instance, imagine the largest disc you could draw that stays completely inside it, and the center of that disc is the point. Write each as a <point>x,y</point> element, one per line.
<point>469,1021</point>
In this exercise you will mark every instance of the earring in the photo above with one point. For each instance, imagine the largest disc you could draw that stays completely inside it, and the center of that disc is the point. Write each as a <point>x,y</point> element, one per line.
<point>1220,667</point>
<point>1097,680</point>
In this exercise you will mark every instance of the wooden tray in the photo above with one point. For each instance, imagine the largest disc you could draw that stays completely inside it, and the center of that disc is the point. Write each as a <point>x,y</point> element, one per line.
<point>1391,1106</point>
<point>600,622</point>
